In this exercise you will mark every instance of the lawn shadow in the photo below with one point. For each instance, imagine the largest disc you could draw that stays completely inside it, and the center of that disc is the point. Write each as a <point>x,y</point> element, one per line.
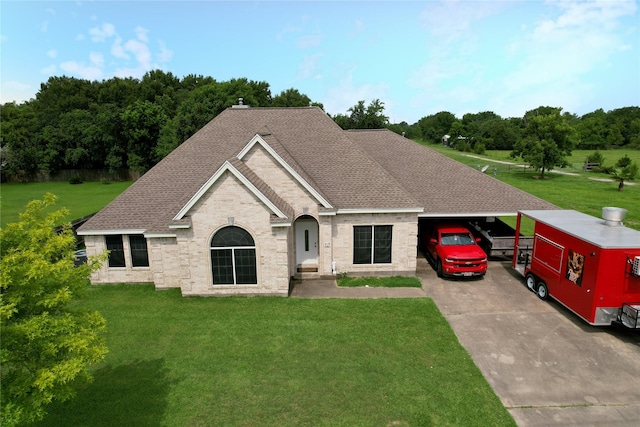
<point>127,395</point>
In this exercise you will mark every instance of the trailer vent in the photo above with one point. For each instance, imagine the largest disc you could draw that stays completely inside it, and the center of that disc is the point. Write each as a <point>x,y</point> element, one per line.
<point>635,266</point>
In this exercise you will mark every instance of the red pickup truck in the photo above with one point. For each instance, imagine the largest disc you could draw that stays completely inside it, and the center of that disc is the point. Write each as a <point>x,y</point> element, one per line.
<point>454,251</point>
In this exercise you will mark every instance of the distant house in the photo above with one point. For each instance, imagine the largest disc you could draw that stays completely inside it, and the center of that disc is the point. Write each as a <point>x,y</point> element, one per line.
<point>261,195</point>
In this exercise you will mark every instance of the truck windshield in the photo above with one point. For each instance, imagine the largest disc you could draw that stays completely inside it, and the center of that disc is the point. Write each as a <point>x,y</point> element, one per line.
<point>456,239</point>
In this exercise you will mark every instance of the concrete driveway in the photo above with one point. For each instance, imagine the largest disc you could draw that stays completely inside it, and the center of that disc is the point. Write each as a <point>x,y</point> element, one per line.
<point>547,366</point>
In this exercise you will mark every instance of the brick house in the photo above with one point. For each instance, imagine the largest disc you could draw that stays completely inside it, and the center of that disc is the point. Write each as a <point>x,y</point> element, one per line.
<point>261,195</point>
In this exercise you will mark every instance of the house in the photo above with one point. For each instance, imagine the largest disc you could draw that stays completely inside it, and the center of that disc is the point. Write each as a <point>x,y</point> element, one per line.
<point>261,195</point>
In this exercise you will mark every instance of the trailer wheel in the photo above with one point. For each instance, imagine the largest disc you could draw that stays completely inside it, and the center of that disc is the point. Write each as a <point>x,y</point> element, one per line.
<point>542,290</point>
<point>439,268</point>
<point>531,282</point>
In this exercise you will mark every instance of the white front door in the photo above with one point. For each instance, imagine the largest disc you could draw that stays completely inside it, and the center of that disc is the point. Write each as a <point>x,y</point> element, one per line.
<point>306,242</point>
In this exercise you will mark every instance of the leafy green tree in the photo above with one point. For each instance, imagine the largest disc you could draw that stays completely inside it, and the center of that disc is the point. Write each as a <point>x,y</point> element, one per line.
<point>547,139</point>
<point>623,161</point>
<point>626,173</point>
<point>47,345</point>
<point>291,98</point>
<point>141,123</point>
<point>361,117</point>
<point>435,126</point>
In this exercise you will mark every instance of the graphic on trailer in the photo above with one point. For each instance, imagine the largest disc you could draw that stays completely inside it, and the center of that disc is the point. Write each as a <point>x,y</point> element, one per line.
<point>575,266</point>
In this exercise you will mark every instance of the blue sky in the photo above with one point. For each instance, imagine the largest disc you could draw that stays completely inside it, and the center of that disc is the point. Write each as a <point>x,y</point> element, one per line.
<point>418,57</point>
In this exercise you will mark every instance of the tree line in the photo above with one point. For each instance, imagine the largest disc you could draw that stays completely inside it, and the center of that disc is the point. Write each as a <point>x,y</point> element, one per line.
<point>127,123</point>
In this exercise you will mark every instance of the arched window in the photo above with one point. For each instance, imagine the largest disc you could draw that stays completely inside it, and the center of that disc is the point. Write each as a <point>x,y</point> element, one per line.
<point>233,257</point>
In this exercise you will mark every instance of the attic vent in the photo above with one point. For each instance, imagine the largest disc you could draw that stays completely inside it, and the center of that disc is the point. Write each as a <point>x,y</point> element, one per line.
<point>240,104</point>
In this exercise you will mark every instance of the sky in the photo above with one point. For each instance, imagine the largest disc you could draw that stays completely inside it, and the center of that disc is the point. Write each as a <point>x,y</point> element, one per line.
<point>417,57</point>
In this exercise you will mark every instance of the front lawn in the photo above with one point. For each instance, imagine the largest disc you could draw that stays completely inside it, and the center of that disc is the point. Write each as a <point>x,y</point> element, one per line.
<point>177,361</point>
<point>380,282</point>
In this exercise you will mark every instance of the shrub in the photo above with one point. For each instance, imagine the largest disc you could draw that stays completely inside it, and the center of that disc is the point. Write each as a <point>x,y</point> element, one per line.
<point>595,157</point>
<point>76,180</point>
<point>479,148</point>
<point>623,162</point>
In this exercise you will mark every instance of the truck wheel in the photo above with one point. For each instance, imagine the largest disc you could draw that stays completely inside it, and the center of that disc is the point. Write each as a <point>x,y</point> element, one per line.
<point>531,282</point>
<point>439,268</point>
<point>542,290</point>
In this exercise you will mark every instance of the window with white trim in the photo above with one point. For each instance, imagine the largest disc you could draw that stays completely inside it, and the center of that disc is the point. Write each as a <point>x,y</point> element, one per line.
<point>233,257</point>
<point>372,244</point>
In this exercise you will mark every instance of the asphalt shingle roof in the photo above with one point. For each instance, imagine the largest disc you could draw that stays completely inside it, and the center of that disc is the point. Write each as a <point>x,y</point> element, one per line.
<point>350,169</point>
<point>441,185</point>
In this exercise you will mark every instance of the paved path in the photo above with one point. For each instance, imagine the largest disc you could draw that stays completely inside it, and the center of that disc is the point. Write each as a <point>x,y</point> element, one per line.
<point>327,288</point>
<point>504,162</point>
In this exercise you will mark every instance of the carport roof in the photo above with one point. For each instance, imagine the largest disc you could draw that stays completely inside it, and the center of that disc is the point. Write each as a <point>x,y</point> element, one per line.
<point>442,186</point>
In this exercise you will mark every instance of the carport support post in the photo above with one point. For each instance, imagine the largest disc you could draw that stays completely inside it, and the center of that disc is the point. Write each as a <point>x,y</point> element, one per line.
<point>516,242</point>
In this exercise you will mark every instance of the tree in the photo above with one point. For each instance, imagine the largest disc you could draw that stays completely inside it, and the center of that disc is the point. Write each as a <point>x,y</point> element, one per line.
<point>47,345</point>
<point>627,173</point>
<point>291,98</point>
<point>141,124</point>
<point>547,139</point>
<point>361,117</point>
<point>435,126</point>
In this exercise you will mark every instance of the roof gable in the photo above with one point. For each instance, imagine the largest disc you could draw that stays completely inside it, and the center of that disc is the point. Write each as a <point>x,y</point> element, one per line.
<point>261,190</point>
<point>289,165</point>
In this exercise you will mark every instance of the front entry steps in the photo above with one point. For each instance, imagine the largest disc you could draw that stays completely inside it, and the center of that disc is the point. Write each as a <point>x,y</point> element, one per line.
<point>307,269</point>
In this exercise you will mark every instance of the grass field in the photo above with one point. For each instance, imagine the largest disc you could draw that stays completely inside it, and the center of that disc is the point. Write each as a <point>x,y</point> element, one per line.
<point>177,361</point>
<point>577,192</point>
<point>80,199</point>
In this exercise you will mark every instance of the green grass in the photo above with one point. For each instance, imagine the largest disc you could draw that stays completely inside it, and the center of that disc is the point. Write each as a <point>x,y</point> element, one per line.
<point>565,191</point>
<point>177,361</point>
<point>380,282</point>
<point>80,199</point>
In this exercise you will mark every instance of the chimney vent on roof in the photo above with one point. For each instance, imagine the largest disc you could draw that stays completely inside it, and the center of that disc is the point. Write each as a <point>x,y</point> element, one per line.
<point>613,217</point>
<point>240,104</point>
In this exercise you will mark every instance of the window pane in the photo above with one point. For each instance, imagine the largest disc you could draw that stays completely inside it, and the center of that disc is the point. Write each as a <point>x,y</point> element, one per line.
<point>362,244</point>
<point>138,246</point>
<point>222,266</point>
<point>116,250</point>
<point>382,244</point>
<point>232,236</point>
<point>245,266</point>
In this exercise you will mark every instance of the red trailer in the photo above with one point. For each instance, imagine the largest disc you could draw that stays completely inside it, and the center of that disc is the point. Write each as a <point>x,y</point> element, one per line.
<point>589,265</point>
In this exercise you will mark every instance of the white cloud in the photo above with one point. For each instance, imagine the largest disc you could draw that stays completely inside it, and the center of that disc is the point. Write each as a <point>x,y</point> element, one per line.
<point>49,70</point>
<point>101,33</point>
<point>308,67</point>
<point>52,53</point>
<point>117,49</point>
<point>165,54</point>
<point>140,51</point>
<point>286,30</point>
<point>344,96</point>
<point>82,71</point>
<point>14,91</point>
<point>96,59</point>
<point>306,42</point>
<point>141,33</point>
<point>451,19</point>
